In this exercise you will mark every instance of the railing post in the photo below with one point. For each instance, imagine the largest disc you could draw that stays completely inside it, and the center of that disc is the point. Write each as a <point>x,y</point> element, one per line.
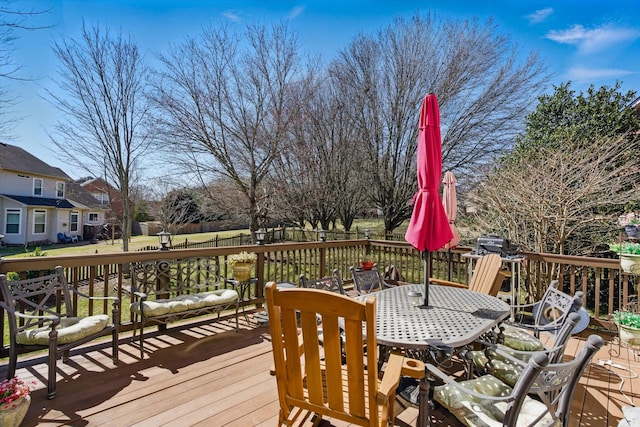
<point>323,261</point>
<point>259,291</point>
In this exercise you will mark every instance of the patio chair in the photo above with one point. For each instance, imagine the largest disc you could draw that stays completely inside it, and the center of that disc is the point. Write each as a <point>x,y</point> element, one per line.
<point>487,277</point>
<point>488,401</point>
<point>367,281</point>
<point>331,284</point>
<point>549,315</point>
<point>37,320</point>
<point>311,379</point>
<point>508,368</point>
<point>62,238</point>
<point>72,238</point>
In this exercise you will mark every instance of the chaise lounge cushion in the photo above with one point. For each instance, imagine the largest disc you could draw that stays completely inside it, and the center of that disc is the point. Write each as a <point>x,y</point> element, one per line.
<point>182,303</point>
<point>70,329</point>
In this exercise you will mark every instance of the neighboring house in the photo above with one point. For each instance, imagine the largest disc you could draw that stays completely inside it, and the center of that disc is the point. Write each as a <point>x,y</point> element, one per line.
<point>34,201</point>
<point>108,196</point>
<point>93,213</point>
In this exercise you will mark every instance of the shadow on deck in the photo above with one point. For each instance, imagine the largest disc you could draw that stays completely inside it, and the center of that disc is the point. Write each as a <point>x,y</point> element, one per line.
<point>207,374</point>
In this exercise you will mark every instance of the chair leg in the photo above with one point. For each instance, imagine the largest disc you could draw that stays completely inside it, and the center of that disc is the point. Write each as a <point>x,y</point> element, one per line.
<point>237,326</point>
<point>114,340</point>
<point>13,361</point>
<point>423,404</point>
<point>141,338</point>
<point>135,327</point>
<point>51,374</point>
<point>115,333</point>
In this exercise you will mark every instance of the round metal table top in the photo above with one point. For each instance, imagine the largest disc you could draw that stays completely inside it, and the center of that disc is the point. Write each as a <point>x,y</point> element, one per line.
<point>455,316</point>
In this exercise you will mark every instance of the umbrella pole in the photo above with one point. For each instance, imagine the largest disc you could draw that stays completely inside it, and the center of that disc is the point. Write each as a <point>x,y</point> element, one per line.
<point>426,255</point>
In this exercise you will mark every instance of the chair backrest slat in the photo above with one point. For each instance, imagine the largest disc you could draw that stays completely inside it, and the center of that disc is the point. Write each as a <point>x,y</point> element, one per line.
<point>486,277</point>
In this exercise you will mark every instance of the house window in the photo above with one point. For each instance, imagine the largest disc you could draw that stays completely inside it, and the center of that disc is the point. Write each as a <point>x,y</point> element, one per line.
<point>37,187</point>
<point>74,221</point>
<point>93,217</point>
<point>39,221</point>
<point>60,189</point>
<point>12,221</point>
<point>103,198</point>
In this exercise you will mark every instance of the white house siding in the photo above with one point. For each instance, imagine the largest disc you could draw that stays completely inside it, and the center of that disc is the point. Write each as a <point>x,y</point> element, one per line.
<point>13,239</point>
<point>16,183</point>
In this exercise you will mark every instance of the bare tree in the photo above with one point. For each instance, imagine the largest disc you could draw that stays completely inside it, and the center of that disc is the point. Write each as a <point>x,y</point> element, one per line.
<point>222,103</point>
<point>547,198</point>
<point>173,208</point>
<point>319,168</point>
<point>102,79</point>
<point>483,89</point>
<point>12,20</point>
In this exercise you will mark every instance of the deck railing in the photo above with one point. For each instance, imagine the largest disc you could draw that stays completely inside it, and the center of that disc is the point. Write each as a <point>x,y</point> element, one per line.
<point>605,287</point>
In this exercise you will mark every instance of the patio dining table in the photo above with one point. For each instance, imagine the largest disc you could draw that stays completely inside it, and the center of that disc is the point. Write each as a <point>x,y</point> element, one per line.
<point>455,317</point>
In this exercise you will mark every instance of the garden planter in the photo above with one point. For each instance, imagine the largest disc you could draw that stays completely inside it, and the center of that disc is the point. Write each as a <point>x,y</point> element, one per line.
<point>629,335</point>
<point>241,271</point>
<point>366,265</point>
<point>13,416</point>
<point>630,263</point>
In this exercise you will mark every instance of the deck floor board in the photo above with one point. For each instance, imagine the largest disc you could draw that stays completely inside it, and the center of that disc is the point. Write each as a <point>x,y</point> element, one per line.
<point>206,374</point>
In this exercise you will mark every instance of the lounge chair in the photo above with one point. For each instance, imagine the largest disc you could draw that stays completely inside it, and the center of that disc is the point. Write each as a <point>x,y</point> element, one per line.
<point>63,239</point>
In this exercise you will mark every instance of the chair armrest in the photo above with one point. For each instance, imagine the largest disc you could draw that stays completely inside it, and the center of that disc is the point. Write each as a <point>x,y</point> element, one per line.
<point>49,318</point>
<point>510,354</point>
<point>413,368</point>
<point>141,295</point>
<point>391,378</point>
<point>83,295</point>
<point>448,283</point>
<point>450,382</point>
<point>538,328</point>
<point>397,366</point>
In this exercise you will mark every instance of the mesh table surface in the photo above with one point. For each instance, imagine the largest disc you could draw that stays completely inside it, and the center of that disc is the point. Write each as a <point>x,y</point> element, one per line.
<point>455,316</point>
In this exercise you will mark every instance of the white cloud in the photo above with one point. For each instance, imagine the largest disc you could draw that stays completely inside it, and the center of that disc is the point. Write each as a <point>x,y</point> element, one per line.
<point>583,74</point>
<point>231,16</point>
<point>539,15</point>
<point>296,11</point>
<point>594,40</point>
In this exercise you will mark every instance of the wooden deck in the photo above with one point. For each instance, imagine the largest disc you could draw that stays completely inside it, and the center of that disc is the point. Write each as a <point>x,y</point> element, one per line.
<point>209,375</point>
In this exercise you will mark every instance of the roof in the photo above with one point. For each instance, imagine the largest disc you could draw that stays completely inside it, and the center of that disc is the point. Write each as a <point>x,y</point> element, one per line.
<point>16,159</point>
<point>79,195</point>
<point>41,201</point>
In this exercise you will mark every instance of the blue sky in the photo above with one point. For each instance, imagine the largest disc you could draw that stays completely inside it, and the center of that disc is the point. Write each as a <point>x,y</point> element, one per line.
<point>587,42</point>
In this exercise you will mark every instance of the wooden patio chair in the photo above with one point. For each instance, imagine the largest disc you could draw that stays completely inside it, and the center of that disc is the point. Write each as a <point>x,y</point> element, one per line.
<point>486,400</point>
<point>37,320</point>
<point>311,379</point>
<point>487,277</point>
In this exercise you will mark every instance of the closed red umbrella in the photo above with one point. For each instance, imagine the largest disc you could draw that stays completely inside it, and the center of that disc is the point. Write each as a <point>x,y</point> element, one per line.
<point>429,227</point>
<point>450,203</point>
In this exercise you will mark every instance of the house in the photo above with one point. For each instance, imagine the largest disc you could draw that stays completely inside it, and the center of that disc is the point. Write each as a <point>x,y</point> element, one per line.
<point>109,198</point>
<point>94,214</point>
<point>34,201</point>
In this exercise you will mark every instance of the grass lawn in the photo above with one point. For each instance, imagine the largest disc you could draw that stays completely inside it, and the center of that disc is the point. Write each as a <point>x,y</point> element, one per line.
<point>138,242</point>
<point>112,246</point>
